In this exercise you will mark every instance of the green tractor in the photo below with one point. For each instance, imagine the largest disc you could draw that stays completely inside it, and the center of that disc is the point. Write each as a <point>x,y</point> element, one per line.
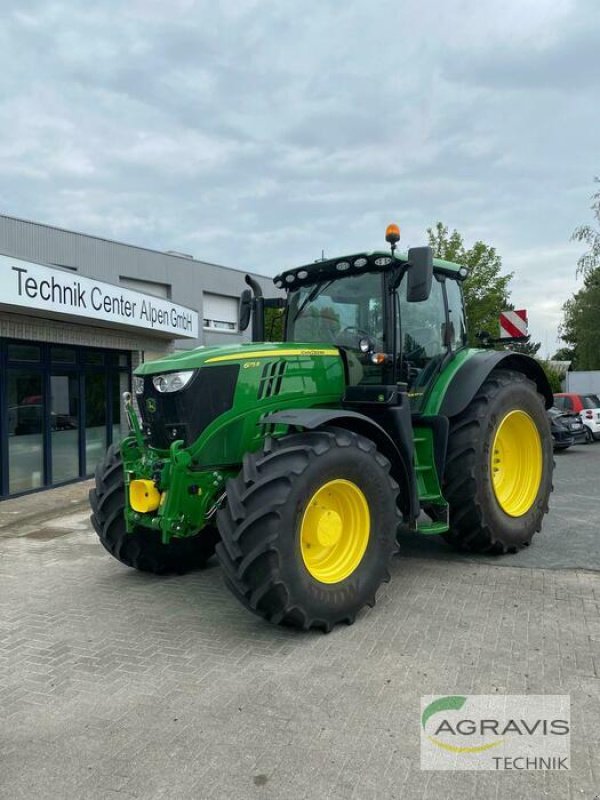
<point>297,461</point>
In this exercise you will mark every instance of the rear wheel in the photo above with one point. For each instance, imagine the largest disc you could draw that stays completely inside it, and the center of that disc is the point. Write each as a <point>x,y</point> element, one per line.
<point>499,466</point>
<point>309,528</point>
<point>141,549</point>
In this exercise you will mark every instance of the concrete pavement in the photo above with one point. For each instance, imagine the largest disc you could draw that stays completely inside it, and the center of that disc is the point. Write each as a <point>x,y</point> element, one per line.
<point>116,684</point>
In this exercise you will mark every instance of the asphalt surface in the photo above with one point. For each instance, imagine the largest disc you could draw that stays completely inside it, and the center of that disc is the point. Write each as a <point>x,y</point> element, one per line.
<point>570,536</point>
<point>117,684</point>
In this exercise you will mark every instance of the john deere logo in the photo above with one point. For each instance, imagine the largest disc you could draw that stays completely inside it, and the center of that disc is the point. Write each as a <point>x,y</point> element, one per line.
<point>151,405</point>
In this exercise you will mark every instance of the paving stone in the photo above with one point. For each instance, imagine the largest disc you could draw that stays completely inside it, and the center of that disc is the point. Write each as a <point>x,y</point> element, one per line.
<point>119,684</point>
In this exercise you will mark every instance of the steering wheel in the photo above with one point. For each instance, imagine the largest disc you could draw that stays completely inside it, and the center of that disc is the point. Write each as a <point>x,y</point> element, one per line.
<point>357,330</point>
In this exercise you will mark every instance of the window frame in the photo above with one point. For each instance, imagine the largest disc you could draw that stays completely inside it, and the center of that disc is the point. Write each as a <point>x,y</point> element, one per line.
<point>47,367</point>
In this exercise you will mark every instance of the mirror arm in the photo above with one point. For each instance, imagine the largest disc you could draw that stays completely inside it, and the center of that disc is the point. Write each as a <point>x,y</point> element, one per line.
<point>258,310</point>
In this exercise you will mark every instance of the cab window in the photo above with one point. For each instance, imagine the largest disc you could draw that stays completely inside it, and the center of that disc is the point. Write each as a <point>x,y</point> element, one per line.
<point>342,312</point>
<point>421,328</point>
<point>457,328</point>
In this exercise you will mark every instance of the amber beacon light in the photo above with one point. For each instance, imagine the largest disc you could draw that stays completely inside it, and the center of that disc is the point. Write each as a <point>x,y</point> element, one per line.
<point>392,235</point>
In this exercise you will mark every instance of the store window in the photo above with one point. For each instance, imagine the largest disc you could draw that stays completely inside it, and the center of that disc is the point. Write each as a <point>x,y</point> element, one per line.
<point>95,417</point>
<point>25,430</point>
<point>60,407</point>
<point>24,352</point>
<point>64,426</point>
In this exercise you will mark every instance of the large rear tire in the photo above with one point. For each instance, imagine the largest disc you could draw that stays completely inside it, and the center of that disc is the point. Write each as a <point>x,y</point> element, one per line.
<point>309,528</point>
<point>498,475</point>
<point>141,549</point>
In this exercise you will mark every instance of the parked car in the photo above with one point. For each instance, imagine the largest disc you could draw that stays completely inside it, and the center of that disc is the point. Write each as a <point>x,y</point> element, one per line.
<point>587,406</point>
<point>29,418</point>
<point>566,428</point>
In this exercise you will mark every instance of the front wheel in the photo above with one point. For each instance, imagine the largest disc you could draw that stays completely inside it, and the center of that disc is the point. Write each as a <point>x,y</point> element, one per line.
<point>498,475</point>
<point>309,528</point>
<point>141,548</point>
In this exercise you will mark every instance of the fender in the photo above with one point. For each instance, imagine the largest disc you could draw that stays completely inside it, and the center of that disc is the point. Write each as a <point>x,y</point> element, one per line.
<point>469,377</point>
<point>402,468</point>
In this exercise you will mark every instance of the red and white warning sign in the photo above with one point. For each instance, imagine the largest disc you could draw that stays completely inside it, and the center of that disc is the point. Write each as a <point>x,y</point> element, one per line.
<point>513,324</point>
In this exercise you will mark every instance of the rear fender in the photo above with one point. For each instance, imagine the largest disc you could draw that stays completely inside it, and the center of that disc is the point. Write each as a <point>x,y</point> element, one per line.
<point>469,378</point>
<point>402,471</point>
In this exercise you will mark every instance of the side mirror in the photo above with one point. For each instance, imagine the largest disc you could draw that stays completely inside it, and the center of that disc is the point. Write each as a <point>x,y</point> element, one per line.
<point>245,311</point>
<point>420,274</point>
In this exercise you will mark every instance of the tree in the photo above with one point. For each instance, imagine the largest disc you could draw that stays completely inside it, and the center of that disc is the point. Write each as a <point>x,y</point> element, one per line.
<point>555,377</point>
<point>485,289</point>
<point>590,260</point>
<point>580,328</point>
<point>564,354</point>
<point>273,324</point>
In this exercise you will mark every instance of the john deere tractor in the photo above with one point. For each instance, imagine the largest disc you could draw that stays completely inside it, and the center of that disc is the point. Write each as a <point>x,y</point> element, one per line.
<point>297,461</point>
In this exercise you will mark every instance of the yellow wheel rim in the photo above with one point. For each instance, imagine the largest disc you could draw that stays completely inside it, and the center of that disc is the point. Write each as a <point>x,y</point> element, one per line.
<point>516,463</point>
<point>334,532</point>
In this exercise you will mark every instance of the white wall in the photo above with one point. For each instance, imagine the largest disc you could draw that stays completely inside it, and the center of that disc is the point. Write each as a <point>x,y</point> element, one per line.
<point>584,382</point>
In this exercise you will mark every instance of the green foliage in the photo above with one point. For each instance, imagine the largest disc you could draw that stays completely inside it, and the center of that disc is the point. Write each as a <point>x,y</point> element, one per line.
<point>486,289</point>
<point>274,324</point>
<point>580,328</point>
<point>554,376</point>
<point>590,260</point>
<point>564,354</point>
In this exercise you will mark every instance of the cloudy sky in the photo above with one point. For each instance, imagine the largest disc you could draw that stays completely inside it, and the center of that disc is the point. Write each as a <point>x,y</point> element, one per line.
<point>257,134</point>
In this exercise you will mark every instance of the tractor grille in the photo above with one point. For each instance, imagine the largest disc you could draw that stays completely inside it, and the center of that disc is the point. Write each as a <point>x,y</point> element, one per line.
<point>270,380</point>
<point>185,414</point>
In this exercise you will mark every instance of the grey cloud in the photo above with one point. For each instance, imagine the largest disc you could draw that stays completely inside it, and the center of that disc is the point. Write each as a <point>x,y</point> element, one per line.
<point>569,63</point>
<point>304,127</point>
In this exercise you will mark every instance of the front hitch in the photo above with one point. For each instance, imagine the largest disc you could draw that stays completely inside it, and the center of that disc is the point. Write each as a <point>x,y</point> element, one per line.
<point>132,419</point>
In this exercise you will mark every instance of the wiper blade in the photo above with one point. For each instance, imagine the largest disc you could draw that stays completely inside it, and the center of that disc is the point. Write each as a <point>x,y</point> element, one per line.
<point>312,295</point>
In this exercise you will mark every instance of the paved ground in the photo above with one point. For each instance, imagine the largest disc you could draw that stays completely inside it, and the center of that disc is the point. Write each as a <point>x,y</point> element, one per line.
<point>20,513</point>
<point>115,684</point>
<point>571,534</point>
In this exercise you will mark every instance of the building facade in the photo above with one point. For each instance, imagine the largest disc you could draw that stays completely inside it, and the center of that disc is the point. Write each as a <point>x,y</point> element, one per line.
<point>77,314</point>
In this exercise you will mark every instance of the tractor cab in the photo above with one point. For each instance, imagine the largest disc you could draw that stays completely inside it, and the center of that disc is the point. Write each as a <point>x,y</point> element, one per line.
<point>396,318</point>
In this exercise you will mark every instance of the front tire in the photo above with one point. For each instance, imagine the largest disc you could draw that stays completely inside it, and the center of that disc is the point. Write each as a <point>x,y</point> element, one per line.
<point>309,528</point>
<point>141,549</point>
<point>498,475</point>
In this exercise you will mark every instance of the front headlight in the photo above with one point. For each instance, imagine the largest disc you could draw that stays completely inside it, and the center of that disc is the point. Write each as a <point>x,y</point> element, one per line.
<point>138,384</point>
<point>172,381</point>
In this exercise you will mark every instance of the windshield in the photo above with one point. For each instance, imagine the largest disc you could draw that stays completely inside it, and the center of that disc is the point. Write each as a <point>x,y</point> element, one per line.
<point>590,401</point>
<point>341,312</point>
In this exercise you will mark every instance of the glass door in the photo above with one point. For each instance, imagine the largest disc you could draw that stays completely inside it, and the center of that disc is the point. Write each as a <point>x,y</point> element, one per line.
<point>26,418</point>
<point>95,418</point>
<point>64,426</point>
<point>60,407</point>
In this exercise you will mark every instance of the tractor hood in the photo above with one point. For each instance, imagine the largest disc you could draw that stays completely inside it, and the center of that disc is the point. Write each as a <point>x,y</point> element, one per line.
<point>182,395</point>
<point>235,353</point>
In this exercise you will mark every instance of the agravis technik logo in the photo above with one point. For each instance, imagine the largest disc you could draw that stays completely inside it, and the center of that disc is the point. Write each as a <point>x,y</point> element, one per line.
<point>495,732</point>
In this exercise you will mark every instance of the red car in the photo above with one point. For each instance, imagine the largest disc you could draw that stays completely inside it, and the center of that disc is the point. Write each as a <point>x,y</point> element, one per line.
<point>588,408</point>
